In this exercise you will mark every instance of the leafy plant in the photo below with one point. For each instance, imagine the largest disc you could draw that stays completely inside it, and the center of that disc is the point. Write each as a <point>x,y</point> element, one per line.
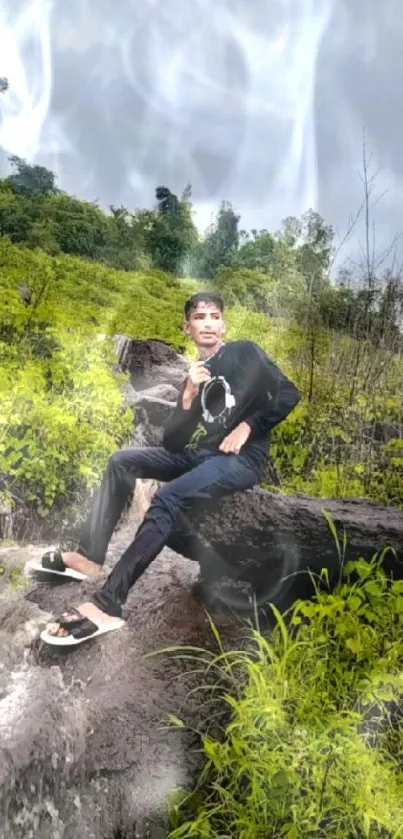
<point>310,749</point>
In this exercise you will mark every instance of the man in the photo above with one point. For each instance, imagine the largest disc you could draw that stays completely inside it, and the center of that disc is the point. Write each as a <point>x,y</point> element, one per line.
<point>215,443</point>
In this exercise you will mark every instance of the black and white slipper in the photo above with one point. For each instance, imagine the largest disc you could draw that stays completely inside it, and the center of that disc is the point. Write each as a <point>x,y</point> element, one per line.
<point>79,628</point>
<point>52,563</point>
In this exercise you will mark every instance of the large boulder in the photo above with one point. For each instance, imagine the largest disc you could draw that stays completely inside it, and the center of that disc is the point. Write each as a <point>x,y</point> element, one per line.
<point>85,746</point>
<point>272,542</point>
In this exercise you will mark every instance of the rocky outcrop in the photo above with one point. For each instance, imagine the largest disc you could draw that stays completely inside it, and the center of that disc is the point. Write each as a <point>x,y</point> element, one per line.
<point>85,748</point>
<point>271,542</point>
<point>149,362</point>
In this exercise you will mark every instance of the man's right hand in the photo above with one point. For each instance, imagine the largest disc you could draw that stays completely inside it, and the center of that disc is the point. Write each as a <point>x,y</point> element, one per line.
<point>198,374</point>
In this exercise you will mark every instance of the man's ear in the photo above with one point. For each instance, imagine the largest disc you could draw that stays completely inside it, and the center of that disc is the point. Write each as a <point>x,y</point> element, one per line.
<point>224,328</point>
<point>185,327</point>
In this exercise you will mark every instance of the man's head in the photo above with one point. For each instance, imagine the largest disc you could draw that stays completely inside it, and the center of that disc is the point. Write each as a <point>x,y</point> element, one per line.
<point>204,321</point>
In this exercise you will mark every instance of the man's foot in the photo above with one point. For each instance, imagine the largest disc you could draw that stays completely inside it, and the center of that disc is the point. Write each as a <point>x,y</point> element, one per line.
<point>87,610</point>
<point>81,563</point>
<point>70,564</point>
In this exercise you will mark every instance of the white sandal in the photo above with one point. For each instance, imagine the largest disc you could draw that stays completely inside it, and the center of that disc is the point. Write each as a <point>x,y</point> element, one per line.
<point>80,628</point>
<point>52,562</point>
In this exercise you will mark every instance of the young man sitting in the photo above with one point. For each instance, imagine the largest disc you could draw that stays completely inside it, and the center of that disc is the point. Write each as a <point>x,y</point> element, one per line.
<point>215,443</point>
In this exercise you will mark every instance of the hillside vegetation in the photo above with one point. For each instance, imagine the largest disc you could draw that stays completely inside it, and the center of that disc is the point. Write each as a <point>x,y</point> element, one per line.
<point>296,759</point>
<point>62,412</point>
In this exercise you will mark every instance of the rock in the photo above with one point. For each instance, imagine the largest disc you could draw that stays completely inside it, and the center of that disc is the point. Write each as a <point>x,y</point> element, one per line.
<point>150,419</point>
<point>154,410</point>
<point>160,393</point>
<point>272,541</point>
<point>129,393</point>
<point>150,363</point>
<point>85,750</point>
<point>156,373</point>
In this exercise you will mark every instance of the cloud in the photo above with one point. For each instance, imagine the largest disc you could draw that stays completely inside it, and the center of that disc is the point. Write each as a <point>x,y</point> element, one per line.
<point>260,104</point>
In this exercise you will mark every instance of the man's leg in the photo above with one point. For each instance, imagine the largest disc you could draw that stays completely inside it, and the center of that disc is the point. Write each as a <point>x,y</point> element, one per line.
<point>215,476</point>
<point>117,488</point>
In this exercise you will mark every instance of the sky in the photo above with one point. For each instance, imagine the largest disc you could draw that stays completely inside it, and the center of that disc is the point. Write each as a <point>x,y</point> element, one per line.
<point>262,103</point>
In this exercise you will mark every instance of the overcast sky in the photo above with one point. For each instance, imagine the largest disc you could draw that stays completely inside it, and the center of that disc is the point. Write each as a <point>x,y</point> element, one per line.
<point>259,102</point>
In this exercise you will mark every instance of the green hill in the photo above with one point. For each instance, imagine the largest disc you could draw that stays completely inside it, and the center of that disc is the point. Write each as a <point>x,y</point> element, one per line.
<point>62,410</point>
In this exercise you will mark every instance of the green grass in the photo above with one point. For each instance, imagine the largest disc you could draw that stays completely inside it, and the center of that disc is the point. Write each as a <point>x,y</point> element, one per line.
<point>298,758</point>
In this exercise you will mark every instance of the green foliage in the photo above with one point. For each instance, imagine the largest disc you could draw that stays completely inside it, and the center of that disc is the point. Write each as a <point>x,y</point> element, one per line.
<point>80,227</point>
<point>62,410</point>
<point>221,242</point>
<point>309,749</point>
<point>312,242</point>
<point>258,291</point>
<point>14,577</point>
<point>172,234</point>
<point>124,244</point>
<point>61,418</point>
<point>17,214</point>
<point>295,261</point>
<point>28,180</point>
<point>256,251</point>
<point>246,287</point>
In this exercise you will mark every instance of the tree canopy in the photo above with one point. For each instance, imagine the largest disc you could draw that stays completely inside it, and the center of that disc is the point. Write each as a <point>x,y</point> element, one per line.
<point>280,272</point>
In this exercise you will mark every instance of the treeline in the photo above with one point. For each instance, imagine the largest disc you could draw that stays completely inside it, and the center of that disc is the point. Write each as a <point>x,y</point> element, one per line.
<point>283,273</point>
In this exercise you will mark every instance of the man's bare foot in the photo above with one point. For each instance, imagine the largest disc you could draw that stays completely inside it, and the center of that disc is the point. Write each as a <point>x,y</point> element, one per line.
<point>81,563</point>
<point>87,610</point>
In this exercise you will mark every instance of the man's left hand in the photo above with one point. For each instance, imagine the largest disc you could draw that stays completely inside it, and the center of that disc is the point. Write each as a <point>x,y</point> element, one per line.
<point>233,443</point>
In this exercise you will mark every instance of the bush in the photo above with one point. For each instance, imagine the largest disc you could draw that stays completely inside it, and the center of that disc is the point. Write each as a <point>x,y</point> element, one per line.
<point>310,749</point>
<point>62,410</point>
<point>59,423</point>
<point>260,292</point>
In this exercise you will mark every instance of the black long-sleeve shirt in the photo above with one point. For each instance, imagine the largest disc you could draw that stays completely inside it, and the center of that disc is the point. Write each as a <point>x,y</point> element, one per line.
<point>245,386</point>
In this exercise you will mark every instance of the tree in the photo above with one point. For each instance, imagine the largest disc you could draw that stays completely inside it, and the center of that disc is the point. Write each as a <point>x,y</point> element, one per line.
<point>221,243</point>
<point>167,201</point>
<point>31,179</point>
<point>172,235</point>
<point>256,250</point>
<point>80,226</point>
<point>124,245</point>
<point>3,84</point>
<point>16,214</point>
<point>44,234</point>
<point>312,240</point>
<point>246,287</point>
<point>187,194</point>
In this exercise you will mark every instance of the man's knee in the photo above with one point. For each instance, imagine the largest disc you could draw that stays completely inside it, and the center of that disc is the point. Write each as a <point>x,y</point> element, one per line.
<point>167,499</point>
<point>123,460</point>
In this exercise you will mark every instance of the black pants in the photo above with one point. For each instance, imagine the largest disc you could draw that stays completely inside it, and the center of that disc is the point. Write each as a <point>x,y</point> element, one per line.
<point>190,476</point>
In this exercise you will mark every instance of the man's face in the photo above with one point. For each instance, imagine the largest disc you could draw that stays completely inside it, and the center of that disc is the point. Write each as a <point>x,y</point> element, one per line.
<point>205,325</point>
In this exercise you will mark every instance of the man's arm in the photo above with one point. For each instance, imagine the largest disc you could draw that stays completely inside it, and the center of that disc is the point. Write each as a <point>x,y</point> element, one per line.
<point>279,406</point>
<point>182,423</point>
<point>262,377</point>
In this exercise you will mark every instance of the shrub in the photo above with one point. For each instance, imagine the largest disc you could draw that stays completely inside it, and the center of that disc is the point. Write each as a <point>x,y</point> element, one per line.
<point>309,749</point>
<point>60,421</point>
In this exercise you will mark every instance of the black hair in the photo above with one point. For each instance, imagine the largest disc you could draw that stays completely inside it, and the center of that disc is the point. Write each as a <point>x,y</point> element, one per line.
<point>203,297</point>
